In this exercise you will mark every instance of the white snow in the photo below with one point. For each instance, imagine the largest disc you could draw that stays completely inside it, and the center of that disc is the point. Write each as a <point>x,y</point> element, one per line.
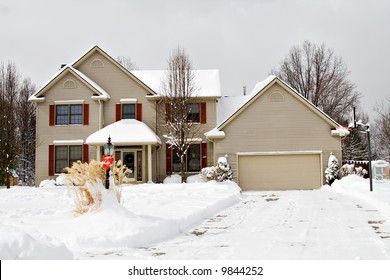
<point>124,132</point>
<point>206,81</point>
<point>201,221</point>
<point>39,223</point>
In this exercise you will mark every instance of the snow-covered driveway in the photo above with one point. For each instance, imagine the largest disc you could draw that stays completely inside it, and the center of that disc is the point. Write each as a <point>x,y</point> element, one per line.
<point>319,224</point>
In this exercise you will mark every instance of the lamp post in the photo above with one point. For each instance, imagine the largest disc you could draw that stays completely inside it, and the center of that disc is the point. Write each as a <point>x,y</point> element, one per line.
<point>108,159</point>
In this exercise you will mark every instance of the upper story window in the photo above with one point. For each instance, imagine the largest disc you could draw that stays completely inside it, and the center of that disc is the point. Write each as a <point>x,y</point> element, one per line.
<point>128,111</point>
<point>69,114</point>
<point>195,112</point>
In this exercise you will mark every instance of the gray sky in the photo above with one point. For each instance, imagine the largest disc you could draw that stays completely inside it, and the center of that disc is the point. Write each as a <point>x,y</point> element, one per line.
<point>244,39</point>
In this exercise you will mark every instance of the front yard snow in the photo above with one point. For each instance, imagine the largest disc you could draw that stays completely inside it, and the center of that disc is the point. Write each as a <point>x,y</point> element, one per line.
<point>39,223</point>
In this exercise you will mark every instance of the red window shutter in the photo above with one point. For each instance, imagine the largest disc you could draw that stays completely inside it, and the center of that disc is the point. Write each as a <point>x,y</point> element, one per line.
<point>139,112</point>
<point>204,155</point>
<point>51,160</point>
<point>118,112</point>
<point>51,115</point>
<point>85,153</point>
<point>203,117</point>
<point>86,114</point>
<point>168,112</point>
<point>168,155</point>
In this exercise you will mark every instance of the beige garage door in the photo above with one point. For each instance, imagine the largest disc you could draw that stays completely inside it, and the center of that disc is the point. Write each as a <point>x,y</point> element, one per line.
<point>279,171</point>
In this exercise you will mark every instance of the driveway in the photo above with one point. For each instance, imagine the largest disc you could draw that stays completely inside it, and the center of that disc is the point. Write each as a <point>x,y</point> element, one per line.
<point>318,224</point>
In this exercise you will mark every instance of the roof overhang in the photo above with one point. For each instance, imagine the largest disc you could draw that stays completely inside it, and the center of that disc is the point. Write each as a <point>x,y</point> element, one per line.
<point>124,133</point>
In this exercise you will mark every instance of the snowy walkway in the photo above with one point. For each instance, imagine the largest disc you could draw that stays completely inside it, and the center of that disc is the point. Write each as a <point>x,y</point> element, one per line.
<point>317,224</point>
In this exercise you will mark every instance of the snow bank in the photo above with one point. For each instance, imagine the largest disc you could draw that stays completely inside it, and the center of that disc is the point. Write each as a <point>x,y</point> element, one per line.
<point>17,244</point>
<point>358,187</point>
<point>39,223</point>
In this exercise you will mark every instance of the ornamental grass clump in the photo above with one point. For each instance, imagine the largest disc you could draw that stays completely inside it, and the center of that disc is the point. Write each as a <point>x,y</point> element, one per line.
<point>119,173</point>
<point>87,180</point>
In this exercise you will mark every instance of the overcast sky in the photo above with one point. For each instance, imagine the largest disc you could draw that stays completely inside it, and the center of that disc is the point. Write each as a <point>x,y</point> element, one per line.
<point>244,39</point>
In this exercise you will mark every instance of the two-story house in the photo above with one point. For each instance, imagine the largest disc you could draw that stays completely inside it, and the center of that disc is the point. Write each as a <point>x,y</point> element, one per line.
<point>95,97</point>
<point>274,138</point>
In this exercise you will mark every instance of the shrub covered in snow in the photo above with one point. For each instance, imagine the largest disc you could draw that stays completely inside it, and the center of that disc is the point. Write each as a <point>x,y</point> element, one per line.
<point>332,172</point>
<point>350,169</point>
<point>220,173</point>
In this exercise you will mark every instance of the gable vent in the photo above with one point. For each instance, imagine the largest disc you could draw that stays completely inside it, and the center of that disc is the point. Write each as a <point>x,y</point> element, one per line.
<point>276,97</point>
<point>69,84</point>
<point>97,63</point>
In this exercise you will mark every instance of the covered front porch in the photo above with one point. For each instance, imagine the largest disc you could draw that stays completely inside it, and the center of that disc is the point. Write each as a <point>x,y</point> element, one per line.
<point>135,144</point>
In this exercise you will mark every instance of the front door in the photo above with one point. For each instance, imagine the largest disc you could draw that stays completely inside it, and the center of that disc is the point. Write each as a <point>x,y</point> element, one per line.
<point>132,158</point>
<point>128,159</point>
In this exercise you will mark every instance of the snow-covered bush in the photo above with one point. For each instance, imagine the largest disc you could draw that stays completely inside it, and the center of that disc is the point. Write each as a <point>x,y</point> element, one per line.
<point>350,169</point>
<point>172,179</point>
<point>220,173</point>
<point>332,172</point>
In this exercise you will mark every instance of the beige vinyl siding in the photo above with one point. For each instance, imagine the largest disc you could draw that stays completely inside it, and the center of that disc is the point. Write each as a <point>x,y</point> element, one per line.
<point>47,134</point>
<point>119,85</point>
<point>210,124</point>
<point>288,125</point>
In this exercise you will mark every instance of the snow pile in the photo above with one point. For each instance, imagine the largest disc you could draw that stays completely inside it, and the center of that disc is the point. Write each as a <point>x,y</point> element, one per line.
<point>358,187</point>
<point>40,222</point>
<point>18,244</point>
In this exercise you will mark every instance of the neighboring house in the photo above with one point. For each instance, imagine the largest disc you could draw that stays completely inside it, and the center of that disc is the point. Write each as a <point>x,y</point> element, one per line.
<point>274,138</point>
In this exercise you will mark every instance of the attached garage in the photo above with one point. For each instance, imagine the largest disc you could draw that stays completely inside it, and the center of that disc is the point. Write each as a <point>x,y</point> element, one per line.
<point>280,170</point>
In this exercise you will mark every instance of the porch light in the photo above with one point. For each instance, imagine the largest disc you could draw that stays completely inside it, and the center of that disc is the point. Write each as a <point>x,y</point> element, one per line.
<point>108,148</point>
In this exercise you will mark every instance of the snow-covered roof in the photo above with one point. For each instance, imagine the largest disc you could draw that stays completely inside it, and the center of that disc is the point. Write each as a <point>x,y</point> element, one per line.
<point>124,132</point>
<point>97,89</point>
<point>206,81</point>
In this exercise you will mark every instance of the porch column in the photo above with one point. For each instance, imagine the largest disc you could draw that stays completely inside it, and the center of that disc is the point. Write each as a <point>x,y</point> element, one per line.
<point>98,154</point>
<point>150,164</point>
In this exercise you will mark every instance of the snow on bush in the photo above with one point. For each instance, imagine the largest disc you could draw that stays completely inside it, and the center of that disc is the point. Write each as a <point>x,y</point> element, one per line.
<point>220,173</point>
<point>47,183</point>
<point>172,179</point>
<point>350,169</point>
<point>332,172</point>
<point>195,179</point>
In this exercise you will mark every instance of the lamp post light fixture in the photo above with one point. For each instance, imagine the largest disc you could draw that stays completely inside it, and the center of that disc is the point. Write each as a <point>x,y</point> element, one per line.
<point>108,159</point>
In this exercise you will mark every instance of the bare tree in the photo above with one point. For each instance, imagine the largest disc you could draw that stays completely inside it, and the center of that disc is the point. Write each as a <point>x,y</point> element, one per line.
<point>321,77</point>
<point>381,131</point>
<point>127,62</point>
<point>9,148</point>
<point>26,136</point>
<point>178,90</point>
